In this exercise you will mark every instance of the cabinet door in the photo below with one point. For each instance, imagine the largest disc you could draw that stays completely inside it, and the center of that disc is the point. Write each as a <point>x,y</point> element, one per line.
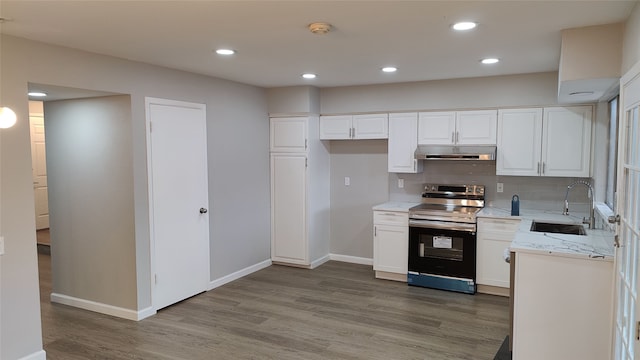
<point>370,126</point>
<point>288,208</point>
<point>390,248</point>
<point>519,142</point>
<point>288,134</point>
<point>566,141</point>
<point>403,140</point>
<point>476,127</point>
<point>491,267</point>
<point>436,128</point>
<point>336,127</point>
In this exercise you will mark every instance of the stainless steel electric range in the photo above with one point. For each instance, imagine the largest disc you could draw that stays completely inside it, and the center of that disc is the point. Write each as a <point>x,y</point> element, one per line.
<point>442,237</point>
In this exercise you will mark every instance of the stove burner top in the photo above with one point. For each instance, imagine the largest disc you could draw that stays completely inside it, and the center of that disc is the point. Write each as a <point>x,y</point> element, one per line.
<point>455,203</point>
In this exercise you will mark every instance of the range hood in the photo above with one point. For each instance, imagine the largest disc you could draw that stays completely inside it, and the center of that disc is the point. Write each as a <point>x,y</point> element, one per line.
<point>453,152</point>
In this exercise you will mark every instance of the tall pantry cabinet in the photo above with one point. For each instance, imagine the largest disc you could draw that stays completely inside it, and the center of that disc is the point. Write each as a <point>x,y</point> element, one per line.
<point>299,192</point>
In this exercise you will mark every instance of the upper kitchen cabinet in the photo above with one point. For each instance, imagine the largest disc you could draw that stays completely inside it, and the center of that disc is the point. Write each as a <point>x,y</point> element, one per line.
<point>347,127</point>
<point>457,128</point>
<point>552,141</point>
<point>288,134</point>
<point>403,140</point>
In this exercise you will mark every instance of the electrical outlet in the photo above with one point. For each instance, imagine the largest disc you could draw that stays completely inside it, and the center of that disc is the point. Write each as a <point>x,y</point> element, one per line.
<point>347,181</point>
<point>500,187</point>
<point>400,183</point>
<point>1,245</point>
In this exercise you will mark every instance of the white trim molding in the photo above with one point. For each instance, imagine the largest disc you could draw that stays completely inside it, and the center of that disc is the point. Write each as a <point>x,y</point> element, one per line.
<point>38,355</point>
<point>238,274</point>
<point>320,261</point>
<point>102,308</point>
<point>351,259</point>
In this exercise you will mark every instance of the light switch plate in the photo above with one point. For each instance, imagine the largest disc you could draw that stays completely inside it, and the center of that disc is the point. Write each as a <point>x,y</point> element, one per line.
<point>500,187</point>
<point>347,181</point>
<point>1,245</point>
<point>400,183</point>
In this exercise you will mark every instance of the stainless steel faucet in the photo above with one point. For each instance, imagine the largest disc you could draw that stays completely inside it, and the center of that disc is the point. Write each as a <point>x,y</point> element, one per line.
<point>591,221</point>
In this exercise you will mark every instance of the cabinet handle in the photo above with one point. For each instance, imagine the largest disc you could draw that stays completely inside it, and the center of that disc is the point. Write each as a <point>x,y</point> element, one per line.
<point>375,231</point>
<point>539,168</point>
<point>415,165</point>
<point>543,164</point>
<point>453,137</point>
<point>457,137</point>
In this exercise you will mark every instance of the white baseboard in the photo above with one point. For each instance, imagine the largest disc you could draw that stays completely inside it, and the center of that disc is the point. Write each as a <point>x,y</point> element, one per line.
<point>38,355</point>
<point>238,274</point>
<point>351,259</point>
<point>318,262</point>
<point>145,313</point>
<point>99,307</point>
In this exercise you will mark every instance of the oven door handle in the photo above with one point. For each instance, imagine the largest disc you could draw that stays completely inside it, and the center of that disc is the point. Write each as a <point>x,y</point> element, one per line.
<point>443,225</point>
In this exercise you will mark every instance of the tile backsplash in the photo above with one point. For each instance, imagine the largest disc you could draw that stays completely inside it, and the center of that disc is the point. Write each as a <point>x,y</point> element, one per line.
<point>539,193</point>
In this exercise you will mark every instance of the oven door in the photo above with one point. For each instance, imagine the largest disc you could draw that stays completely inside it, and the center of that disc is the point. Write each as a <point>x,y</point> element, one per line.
<point>442,249</point>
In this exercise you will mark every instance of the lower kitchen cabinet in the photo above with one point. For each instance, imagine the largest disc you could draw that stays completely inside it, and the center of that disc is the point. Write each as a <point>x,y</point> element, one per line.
<point>493,237</point>
<point>390,244</point>
<point>562,307</point>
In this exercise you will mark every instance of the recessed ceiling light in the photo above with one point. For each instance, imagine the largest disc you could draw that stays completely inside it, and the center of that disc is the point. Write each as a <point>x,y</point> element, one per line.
<point>464,25</point>
<point>489,61</point>
<point>37,94</point>
<point>581,93</point>
<point>309,76</point>
<point>225,52</point>
<point>389,69</point>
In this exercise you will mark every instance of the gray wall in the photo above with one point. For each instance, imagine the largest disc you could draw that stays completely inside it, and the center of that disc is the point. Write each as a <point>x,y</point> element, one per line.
<point>238,155</point>
<point>90,178</point>
<point>365,163</point>
<point>631,40</point>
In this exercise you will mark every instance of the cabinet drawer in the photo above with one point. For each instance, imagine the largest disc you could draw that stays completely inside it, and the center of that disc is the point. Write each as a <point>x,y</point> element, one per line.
<point>390,218</point>
<point>497,225</point>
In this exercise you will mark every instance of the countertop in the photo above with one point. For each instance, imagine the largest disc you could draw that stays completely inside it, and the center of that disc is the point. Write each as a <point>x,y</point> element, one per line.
<point>596,245</point>
<point>400,206</point>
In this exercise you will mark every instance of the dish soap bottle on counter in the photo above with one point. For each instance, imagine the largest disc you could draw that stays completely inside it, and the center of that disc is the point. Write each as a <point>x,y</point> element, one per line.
<point>515,205</point>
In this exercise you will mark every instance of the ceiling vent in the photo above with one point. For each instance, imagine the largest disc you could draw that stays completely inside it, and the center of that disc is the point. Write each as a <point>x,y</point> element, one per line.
<point>320,28</point>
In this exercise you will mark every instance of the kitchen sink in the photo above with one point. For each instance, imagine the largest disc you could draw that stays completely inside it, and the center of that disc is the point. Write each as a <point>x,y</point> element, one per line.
<point>558,228</point>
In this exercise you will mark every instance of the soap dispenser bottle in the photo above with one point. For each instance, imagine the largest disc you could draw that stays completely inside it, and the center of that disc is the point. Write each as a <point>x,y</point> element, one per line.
<point>515,205</point>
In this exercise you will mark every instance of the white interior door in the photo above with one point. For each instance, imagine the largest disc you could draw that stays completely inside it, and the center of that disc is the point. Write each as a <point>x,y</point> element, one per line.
<point>179,199</point>
<point>39,166</point>
<point>627,255</point>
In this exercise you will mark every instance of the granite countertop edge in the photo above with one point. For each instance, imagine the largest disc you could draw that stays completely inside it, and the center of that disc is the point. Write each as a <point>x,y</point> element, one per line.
<point>596,245</point>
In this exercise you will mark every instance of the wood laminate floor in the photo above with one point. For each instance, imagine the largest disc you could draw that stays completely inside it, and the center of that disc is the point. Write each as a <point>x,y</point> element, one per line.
<point>337,311</point>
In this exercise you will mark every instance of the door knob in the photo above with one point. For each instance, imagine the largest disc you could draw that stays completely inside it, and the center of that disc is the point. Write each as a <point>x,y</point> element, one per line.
<point>203,211</point>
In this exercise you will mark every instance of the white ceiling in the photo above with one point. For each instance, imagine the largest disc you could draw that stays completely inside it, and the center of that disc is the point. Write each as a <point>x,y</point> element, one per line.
<point>274,46</point>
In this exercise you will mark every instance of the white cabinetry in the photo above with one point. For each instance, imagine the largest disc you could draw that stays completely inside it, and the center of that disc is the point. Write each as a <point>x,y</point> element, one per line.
<point>476,127</point>
<point>562,307</point>
<point>403,140</point>
<point>390,244</point>
<point>552,141</point>
<point>299,193</point>
<point>494,236</point>
<point>345,127</point>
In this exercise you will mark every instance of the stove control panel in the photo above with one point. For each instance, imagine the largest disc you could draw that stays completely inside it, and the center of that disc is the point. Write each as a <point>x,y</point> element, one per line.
<point>477,190</point>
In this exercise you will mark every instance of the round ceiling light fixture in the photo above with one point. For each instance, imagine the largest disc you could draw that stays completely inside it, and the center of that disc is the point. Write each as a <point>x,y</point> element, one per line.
<point>319,28</point>
<point>489,61</point>
<point>7,117</point>
<point>225,52</point>
<point>389,69</point>
<point>309,76</point>
<point>464,25</point>
<point>37,94</point>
